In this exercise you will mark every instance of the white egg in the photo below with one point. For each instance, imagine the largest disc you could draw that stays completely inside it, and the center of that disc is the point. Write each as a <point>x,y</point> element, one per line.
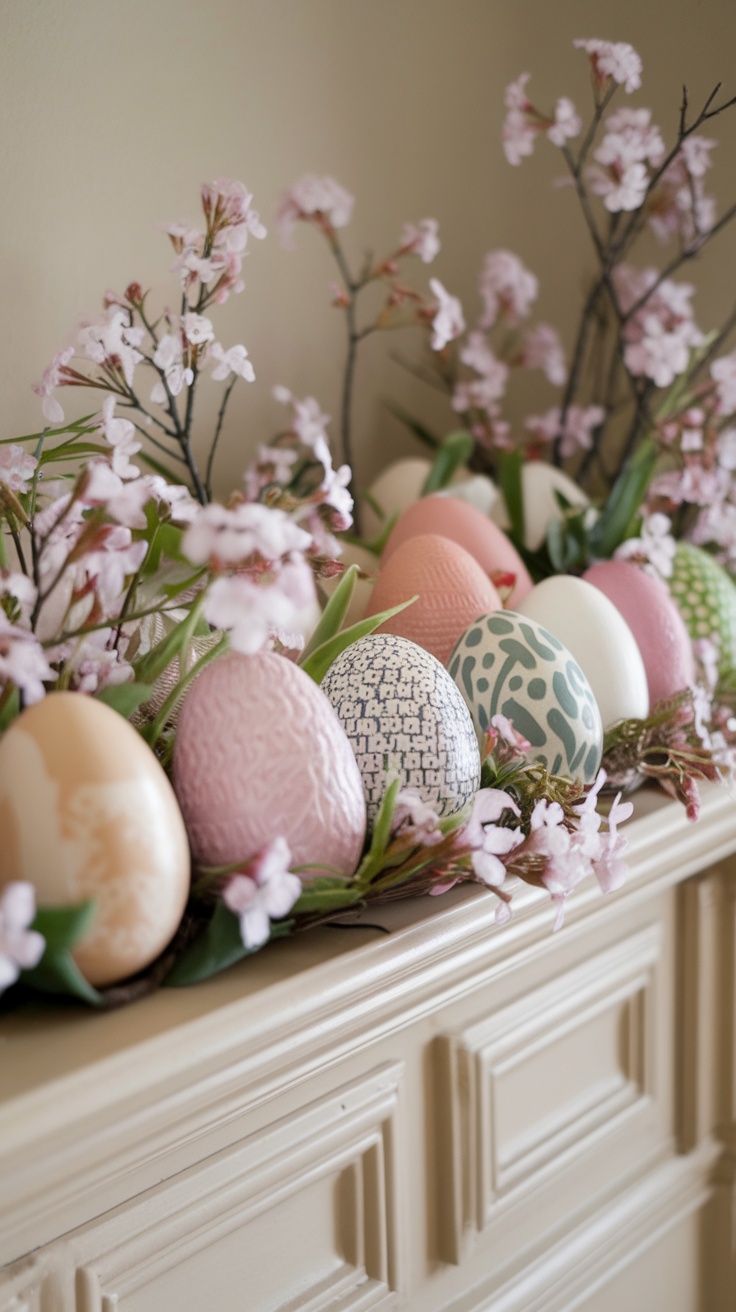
<point>397,486</point>
<point>597,635</point>
<point>480,491</point>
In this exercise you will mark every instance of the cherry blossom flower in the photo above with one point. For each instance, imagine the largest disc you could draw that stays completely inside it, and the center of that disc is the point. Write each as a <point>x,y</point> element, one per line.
<point>723,371</point>
<point>506,287</point>
<point>21,947</point>
<point>233,361</point>
<point>22,661</point>
<point>578,430</point>
<point>252,612</point>
<point>488,840</point>
<point>112,341</point>
<point>197,328</point>
<point>314,198</point>
<point>448,322</point>
<point>225,537</point>
<point>654,549</point>
<point>92,663</point>
<point>421,239</point>
<point>483,392</point>
<point>17,596</point>
<point>52,377</point>
<point>227,204</point>
<point>524,123</point>
<point>414,819</point>
<point>16,467</point>
<point>120,433</point>
<point>265,891</point>
<point>541,348</point>
<point>613,59</point>
<point>567,122</point>
<point>169,360</point>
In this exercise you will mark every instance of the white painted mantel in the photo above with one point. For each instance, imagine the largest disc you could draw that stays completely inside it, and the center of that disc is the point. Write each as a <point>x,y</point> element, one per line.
<point>453,1116</point>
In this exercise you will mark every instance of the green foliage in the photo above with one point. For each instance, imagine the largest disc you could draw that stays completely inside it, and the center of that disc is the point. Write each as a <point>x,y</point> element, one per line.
<point>217,947</point>
<point>452,453</point>
<point>319,661</point>
<point>62,928</point>
<point>125,698</point>
<point>622,509</point>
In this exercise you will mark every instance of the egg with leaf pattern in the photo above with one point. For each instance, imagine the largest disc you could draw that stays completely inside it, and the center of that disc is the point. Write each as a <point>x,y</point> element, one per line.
<point>506,663</point>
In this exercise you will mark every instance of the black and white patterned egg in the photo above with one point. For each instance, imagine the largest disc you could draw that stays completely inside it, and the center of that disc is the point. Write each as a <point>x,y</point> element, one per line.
<point>400,709</point>
<point>507,663</point>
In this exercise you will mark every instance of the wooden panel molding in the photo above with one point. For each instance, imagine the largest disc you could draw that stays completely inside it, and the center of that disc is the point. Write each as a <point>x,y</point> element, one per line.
<point>530,1088</point>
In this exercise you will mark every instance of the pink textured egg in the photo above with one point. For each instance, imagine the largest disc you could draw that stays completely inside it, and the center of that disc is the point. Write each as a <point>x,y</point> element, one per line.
<point>259,754</point>
<point>450,587</point>
<point>654,620</point>
<point>455,519</point>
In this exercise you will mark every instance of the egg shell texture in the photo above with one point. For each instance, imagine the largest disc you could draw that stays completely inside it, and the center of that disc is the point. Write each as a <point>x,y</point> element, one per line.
<point>466,526</point>
<point>450,587</point>
<point>399,707</point>
<point>260,754</point>
<point>706,598</point>
<point>651,614</point>
<point>509,664</point>
<point>599,638</point>
<point>86,811</point>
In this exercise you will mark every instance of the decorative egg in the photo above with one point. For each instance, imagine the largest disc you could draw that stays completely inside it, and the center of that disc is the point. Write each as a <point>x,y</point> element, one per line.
<point>706,598</point>
<point>654,620</point>
<point>508,664</point>
<point>466,526</point>
<point>539,483</point>
<point>367,562</point>
<point>479,491</point>
<point>86,811</point>
<point>260,754</point>
<point>397,486</point>
<point>599,638</point>
<point>400,709</point>
<point>450,587</point>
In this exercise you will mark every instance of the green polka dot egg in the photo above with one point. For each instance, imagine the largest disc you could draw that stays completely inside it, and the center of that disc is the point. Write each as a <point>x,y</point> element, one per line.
<point>507,663</point>
<point>706,598</point>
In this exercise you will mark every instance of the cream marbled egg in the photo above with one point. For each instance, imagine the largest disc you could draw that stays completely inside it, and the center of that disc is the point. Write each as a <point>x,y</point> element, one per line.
<point>400,708</point>
<point>260,754</point>
<point>506,663</point>
<point>86,811</point>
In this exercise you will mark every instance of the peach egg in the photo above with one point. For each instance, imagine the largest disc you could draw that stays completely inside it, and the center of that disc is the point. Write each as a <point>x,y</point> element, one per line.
<point>656,623</point>
<point>450,587</point>
<point>461,523</point>
<point>86,811</point>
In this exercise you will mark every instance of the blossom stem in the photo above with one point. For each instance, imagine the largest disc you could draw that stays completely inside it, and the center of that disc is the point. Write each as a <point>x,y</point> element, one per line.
<point>216,438</point>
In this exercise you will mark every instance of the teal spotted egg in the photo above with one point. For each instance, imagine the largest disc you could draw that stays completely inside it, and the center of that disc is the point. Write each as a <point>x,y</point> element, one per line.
<point>508,663</point>
<point>706,598</point>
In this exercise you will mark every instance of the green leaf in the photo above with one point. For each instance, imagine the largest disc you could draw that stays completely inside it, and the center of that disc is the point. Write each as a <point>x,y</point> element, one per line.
<point>318,663</point>
<point>624,501</point>
<point>377,544</point>
<point>509,478</point>
<point>326,894</point>
<point>57,972</point>
<point>334,612</point>
<point>125,698</point>
<point>218,946</point>
<point>424,434</point>
<point>9,710</point>
<point>62,927</point>
<point>380,837</point>
<point>153,664</point>
<point>452,452</point>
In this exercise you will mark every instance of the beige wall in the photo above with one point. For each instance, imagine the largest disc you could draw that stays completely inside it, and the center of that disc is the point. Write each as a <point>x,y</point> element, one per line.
<point>112,114</point>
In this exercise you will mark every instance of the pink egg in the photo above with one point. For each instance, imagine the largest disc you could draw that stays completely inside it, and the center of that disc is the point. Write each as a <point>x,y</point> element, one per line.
<point>654,620</point>
<point>451,591</point>
<point>260,754</point>
<point>455,519</point>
